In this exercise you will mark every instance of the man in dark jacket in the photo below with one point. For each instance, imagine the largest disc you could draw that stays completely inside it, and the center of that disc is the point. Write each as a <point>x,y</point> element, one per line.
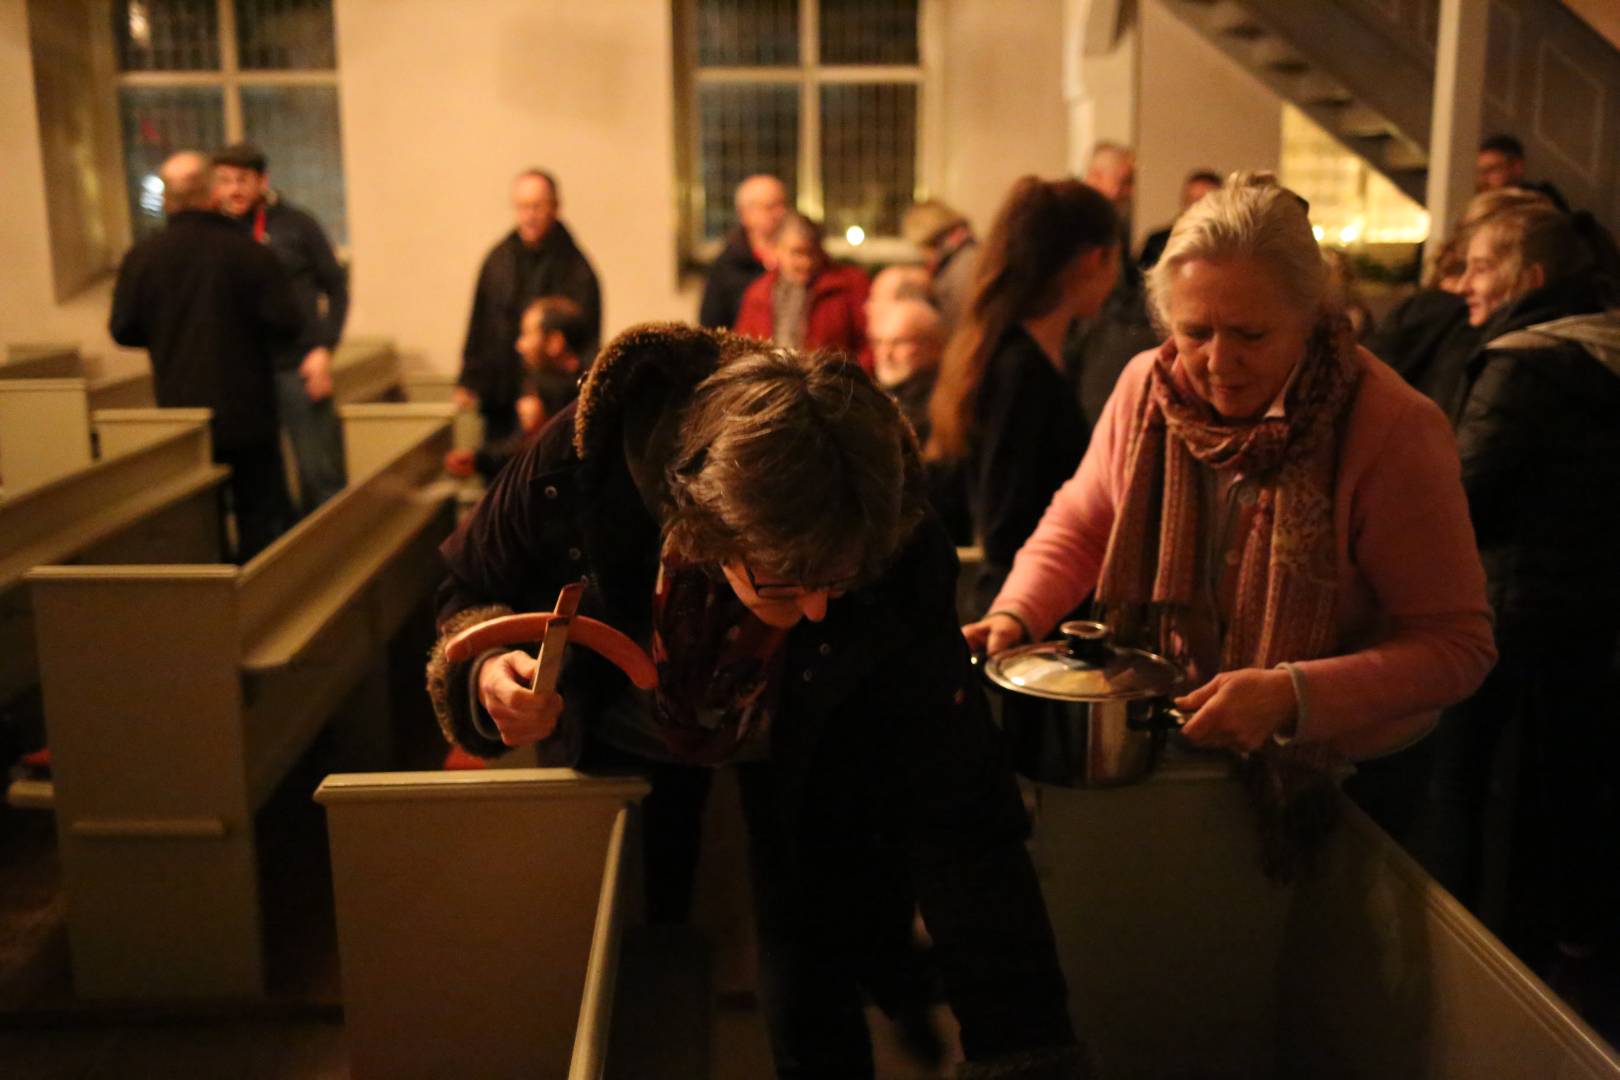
<point>213,308</point>
<point>303,371</point>
<point>1539,436</point>
<point>537,258</point>
<point>750,250</point>
<point>871,771</point>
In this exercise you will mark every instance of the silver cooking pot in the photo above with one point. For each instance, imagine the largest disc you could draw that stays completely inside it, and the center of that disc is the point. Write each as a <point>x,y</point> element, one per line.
<point>1083,712</point>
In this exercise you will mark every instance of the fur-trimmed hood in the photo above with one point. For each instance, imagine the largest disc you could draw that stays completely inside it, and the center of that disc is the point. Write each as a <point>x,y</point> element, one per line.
<point>643,378</point>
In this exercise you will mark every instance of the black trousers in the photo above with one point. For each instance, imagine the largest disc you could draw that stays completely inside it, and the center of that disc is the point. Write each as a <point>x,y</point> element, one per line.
<point>833,921</point>
<point>257,493</point>
<point>1526,825</point>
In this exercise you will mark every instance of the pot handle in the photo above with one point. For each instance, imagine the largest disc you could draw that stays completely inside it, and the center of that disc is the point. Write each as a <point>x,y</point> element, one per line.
<point>1162,718</point>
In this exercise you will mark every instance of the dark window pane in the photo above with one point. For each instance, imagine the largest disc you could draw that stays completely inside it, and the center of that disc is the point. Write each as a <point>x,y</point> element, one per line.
<point>166,35</point>
<point>285,34</point>
<point>156,122</point>
<point>743,129</point>
<point>297,128</point>
<point>868,155</point>
<point>868,31</point>
<point>747,33</point>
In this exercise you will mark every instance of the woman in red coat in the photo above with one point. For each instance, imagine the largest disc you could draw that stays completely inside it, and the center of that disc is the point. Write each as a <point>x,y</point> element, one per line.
<point>808,302</point>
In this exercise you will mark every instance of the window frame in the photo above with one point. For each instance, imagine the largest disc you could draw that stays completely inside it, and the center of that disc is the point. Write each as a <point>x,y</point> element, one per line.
<point>229,78</point>
<point>809,75</point>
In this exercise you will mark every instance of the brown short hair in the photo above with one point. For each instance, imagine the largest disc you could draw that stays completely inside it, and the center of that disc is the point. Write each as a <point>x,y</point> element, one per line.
<point>797,463</point>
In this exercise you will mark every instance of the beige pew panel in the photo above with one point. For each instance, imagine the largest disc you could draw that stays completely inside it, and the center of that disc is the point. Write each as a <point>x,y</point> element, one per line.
<point>366,369</point>
<point>1183,959</point>
<point>44,432</point>
<point>476,918</point>
<point>42,362</point>
<point>214,679</point>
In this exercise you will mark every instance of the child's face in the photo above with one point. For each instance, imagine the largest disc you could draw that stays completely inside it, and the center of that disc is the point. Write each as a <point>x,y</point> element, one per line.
<point>530,339</point>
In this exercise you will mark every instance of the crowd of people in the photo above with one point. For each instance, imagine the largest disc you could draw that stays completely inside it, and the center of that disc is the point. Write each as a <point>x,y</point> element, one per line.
<point>1377,543</point>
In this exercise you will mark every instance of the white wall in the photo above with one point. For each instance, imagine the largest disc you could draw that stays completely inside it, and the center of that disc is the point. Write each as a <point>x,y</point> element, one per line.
<point>1003,100</point>
<point>1197,109</point>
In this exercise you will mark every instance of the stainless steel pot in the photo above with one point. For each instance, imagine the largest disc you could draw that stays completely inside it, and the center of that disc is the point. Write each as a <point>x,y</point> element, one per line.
<point>1083,712</point>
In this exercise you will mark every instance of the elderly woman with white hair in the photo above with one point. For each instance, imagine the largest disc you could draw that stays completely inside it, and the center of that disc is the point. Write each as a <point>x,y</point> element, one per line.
<point>1272,507</point>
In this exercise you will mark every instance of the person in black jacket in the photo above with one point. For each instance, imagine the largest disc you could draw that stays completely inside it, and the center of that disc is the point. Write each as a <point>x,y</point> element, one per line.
<point>213,309</point>
<point>754,517</point>
<point>303,371</point>
<point>1539,435</point>
<point>537,258</point>
<point>1002,405</point>
<point>749,251</point>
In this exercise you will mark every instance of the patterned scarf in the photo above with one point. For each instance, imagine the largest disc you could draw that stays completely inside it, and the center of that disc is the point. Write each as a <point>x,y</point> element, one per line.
<point>1284,604</point>
<point>719,666</point>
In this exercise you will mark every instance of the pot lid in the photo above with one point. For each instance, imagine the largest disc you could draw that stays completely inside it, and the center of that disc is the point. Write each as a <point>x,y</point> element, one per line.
<point>1084,666</point>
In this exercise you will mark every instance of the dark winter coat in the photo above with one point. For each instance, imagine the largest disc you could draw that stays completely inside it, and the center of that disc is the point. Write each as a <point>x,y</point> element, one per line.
<point>212,308</point>
<point>1539,435</point>
<point>1028,439</point>
<point>881,727</point>
<point>835,318</point>
<point>511,278</point>
<point>301,244</point>
<point>1428,340</point>
<point>733,270</point>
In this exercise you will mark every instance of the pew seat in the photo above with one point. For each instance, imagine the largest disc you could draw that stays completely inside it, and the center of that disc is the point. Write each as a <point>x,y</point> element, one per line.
<point>177,696</point>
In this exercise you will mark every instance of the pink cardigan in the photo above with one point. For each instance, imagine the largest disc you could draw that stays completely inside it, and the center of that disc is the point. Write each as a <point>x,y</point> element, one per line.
<point>1414,625</point>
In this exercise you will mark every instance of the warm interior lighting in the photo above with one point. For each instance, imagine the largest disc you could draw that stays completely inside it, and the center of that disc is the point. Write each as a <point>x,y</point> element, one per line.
<point>855,235</point>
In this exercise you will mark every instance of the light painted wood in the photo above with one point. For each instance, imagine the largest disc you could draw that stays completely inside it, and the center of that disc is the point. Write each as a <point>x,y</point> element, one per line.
<point>366,369</point>
<point>44,432</point>
<point>1457,115</point>
<point>469,426</point>
<point>41,362</point>
<point>132,390</point>
<point>1183,959</point>
<point>477,918</point>
<point>177,696</point>
<point>589,1060</point>
<point>155,496</point>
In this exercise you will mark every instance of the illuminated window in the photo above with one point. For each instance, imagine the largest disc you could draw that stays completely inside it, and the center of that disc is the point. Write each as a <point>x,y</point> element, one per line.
<point>828,95</point>
<point>1352,204</point>
<point>197,74</point>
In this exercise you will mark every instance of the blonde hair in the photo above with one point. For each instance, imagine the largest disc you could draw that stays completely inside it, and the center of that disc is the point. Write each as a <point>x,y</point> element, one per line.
<point>1250,215</point>
<point>1452,257</point>
<point>1533,233</point>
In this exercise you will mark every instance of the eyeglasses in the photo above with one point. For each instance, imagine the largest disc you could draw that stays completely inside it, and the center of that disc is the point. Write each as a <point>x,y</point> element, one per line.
<point>790,590</point>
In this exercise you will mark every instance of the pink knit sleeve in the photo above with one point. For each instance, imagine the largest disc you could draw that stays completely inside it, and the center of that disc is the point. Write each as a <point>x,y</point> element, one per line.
<point>1060,562</point>
<point>1413,544</point>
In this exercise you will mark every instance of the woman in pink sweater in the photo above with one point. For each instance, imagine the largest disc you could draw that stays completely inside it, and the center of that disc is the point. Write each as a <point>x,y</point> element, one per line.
<point>1269,505</point>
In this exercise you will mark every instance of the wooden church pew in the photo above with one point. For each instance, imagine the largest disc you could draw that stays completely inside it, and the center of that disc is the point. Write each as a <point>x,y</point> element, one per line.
<point>152,496</point>
<point>479,918</point>
<point>177,696</point>
<point>1183,959</point>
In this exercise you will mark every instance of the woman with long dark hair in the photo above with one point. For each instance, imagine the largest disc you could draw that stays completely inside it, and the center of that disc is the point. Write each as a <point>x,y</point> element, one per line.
<point>1002,405</point>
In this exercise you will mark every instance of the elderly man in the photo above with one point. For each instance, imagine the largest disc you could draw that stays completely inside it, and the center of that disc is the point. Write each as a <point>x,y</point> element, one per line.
<point>902,281</point>
<point>750,250</point>
<point>946,241</point>
<point>213,309</point>
<point>1098,349</point>
<point>537,258</point>
<point>303,371</point>
<point>1113,172</point>
<point>908,339</point>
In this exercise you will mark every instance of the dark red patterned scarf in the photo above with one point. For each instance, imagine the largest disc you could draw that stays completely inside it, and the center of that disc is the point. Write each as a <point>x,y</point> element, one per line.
<point>719,666</point>
<point>1287,577</point>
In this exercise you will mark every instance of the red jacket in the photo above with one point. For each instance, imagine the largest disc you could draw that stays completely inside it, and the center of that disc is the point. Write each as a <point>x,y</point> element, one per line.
<point>836,318</point>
